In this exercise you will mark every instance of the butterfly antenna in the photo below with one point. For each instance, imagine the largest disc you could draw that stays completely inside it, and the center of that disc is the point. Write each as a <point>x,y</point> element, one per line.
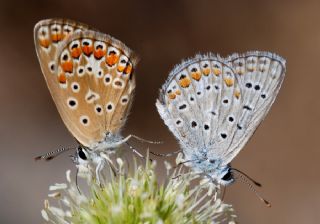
<point>136,151</point>
<point>145,140</point>
<point>245,181</point>
<point>243,174</point>
<point>165,155</point>
<point>51,155</point>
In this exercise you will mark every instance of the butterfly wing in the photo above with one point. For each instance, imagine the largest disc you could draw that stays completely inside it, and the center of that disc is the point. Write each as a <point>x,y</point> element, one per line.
<point>261,75</point>
<point>207,105</point>
<point>196,101</point>
<point>91,82</point>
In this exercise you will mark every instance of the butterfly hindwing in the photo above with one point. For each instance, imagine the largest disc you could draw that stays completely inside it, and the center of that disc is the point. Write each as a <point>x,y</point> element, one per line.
<point>92,83</point>
<point>261,75</point>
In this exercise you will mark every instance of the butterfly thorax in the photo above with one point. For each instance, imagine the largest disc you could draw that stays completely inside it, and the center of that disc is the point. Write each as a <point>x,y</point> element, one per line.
<point>110,142</point>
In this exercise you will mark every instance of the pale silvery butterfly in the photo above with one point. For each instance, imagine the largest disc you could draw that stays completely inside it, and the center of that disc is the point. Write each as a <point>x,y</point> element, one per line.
<point>90,76</point>
<point>213,105</point>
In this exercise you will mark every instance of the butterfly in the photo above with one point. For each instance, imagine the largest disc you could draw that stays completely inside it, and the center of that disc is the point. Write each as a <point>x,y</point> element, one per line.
<point>213,105</point>
<point>91,79</point>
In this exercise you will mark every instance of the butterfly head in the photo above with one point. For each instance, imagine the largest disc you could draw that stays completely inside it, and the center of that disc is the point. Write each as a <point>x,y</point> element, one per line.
<point>82,156</point>
<point>213,169</point>
<point>225,176</point>
<point>221,174</point>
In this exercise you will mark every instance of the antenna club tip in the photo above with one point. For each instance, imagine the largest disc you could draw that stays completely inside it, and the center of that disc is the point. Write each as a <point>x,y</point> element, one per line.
<point>37,158</point>
<point>268,204</point>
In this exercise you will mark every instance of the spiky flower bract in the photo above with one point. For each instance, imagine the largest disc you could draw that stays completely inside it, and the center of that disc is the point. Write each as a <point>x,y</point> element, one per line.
<point>137,197</point>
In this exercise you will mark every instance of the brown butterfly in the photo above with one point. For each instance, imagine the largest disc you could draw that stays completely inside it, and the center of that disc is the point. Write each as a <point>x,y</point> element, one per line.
<point>90,76</point>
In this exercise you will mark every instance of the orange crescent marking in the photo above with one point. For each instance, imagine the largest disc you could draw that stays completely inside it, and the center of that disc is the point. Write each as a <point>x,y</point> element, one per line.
<point>67,66</point>
<point>229,82</point>
<point>196,75</point>
<point>185,82</point>
<point>112,59</point>
<point>56,37</point>
<point>172,96</point>
<point>99,53</point>
<point>44,43</point>
<point>62,78</point>
<point>216,71</point>
<point>128,69</point>
<point>87,50</point>
<point>75,52</point>
<point>206,71</point>
<point>120,68</point>
<point>237,94</point>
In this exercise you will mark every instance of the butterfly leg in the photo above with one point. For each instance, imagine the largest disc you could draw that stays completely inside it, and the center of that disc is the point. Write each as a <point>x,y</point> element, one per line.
<point>136,152</point>
<point>101,164</point>
<point>114,170</point>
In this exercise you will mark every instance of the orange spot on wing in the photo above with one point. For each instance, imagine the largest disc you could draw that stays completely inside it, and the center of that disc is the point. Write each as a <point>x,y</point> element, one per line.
<point>62,78</point>
<point>56,37</point>
<point>178,92</point>
<point>99,53</point>
<point>128,69</point>
<point>229,82</point>
<point>120,68</point>
<point>237,94</point>
<point>196,75</point>
<point>75,52</point>
<point>67,66</point>
<point>216,71</point>
<point>185,82</point>
<point>87,50</point>
<point>172,96</point>
<point>239,71</point>
<point>251,69</point>
<point>112,59</point>
<point>206,71</point>
<point>44,42</point>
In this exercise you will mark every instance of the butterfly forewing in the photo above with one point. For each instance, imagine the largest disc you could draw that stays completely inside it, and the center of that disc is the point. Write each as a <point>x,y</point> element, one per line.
<point>92,84</point>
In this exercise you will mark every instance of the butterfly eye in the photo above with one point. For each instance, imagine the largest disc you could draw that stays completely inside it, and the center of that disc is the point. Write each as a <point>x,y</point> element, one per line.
<point>81,154</point>
<point>227,177</point>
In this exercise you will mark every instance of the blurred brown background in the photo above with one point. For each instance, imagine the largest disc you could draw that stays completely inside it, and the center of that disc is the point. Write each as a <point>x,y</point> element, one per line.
<point>283,154</point>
